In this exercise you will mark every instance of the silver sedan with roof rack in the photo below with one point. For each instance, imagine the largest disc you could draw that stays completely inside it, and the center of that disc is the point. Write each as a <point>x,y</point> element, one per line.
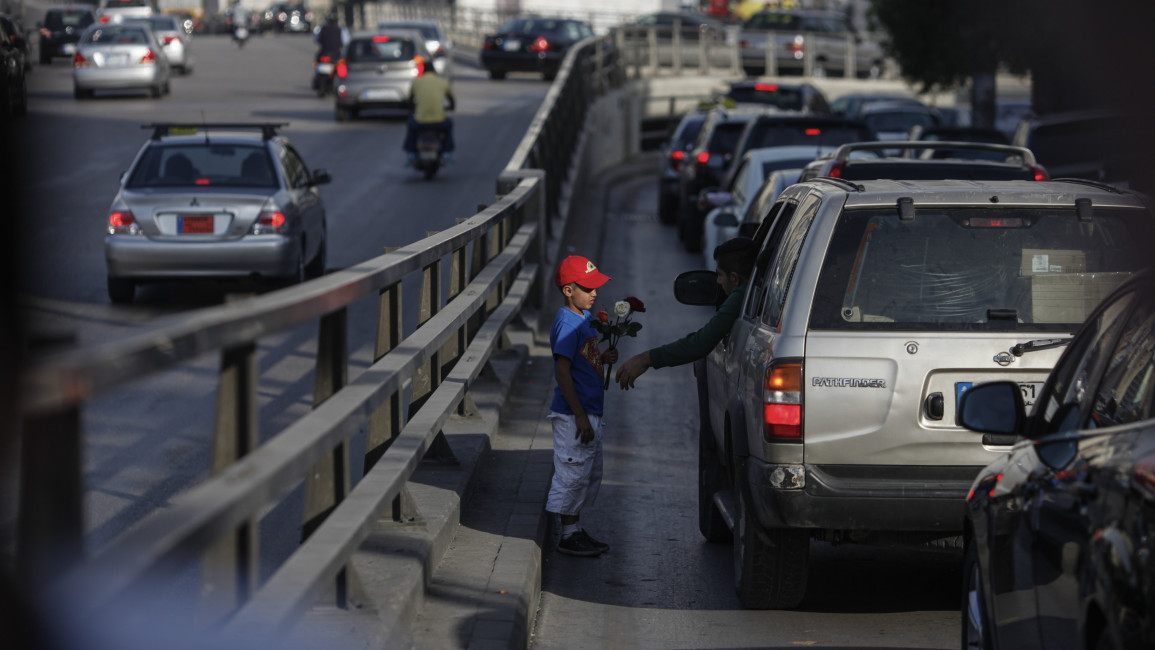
<point>215,201</point>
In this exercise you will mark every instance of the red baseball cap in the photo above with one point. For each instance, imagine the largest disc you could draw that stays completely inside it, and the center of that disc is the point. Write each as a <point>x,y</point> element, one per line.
<point>576,268</point>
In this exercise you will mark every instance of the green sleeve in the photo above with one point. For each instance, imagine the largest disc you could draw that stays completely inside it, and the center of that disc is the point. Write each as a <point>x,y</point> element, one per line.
<point>697,345</point>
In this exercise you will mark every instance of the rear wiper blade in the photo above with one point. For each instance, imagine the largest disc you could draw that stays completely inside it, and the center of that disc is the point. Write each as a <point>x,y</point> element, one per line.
<point>1036,345</point>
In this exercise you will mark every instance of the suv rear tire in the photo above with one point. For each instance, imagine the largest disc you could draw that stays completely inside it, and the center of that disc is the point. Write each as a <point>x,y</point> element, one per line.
<point>770,565</point>
<point>121,291</point>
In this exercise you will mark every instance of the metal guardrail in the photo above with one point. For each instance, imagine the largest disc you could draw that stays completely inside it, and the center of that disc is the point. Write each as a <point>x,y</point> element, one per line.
<point>503,246</point>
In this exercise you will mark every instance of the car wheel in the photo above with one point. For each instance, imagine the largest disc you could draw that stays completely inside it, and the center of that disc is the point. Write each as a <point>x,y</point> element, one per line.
<point>81,93</point>
<point>121,291</point>
<point>976,631</point>
<point>316,266</point>
<point>711,478</point>
<point>549,76</point>
<point>20,109</point>
<point>344,114</point>
<point>496,74</point>
<point>770,565</point>
<point>155,91</point>
<point>300,274</point>
<point>667,208</point>
<point>692,239</point>
<point>167,88</point>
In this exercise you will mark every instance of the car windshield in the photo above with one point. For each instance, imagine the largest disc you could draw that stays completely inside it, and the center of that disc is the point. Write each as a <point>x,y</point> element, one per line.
<point>56,20</point>
<point>380,49</point>
<point>769,94</point>
<point>773,20</point>
<point>532,26</point>
<point>428,32</point>
<point>116,35</point>
<point>201,165</point>
<point>975,269</point>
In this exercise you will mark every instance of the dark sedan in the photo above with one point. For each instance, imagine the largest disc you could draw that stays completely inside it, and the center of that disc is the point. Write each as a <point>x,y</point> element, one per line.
<point>1059,532</point>
<point>532,45</point>
<point>13,84</point>
<point>61,29</point>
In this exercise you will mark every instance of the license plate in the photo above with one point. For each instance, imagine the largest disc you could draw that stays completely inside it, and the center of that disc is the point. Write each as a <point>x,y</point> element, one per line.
<point>324,68</point>
<point>382,94</point>
<point>195,224</point>
<point>118,59</point>
<point>1029,389</point>
<point>511,45</point>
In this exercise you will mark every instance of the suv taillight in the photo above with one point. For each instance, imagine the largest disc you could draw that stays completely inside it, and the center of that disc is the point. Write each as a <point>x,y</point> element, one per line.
<point>121,222</point>
<point>836,170</point>
<point>539,45</point>
<point>78,61</point>
<point>703,158</point>
<point>1040,173</point>
<point>676,158</point>
<point>270,222</point>
<point>782,403</point>
<point>342,69</point>
<point>148,58</point>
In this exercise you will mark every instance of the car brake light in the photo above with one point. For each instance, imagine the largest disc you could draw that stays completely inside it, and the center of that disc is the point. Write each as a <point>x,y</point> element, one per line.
<point>1040,173</point>
<point>766,87</point>
<point>78,60</point>
<point>342,69</point>
<point>149,57</point>
<point>202,181</point>
<point>782,403</point>
<point>419,67</point>
<point>120,219</point>
<point>380,39</point>
<point>104,19</point>
<point>677,155</point>
<point>813,131</point>
<point>273,219</point>
<point>170,39</point>
<point>836,170</point>
<point>704,158</point>
<point>539,45</point>
<point>325,59</point>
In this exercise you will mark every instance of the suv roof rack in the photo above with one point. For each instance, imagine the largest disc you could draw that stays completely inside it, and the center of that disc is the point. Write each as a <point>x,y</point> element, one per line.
<point>907,146</point>
<point>1088,182</point>
<point>842,182</point>
<point>161,129</point>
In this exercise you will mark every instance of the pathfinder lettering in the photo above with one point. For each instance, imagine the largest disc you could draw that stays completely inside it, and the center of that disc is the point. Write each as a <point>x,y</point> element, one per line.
<point>839,382</point>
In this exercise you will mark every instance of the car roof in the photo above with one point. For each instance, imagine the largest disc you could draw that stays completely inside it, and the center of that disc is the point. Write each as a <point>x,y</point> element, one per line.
<point>892,106</point>
<point>953,192</point>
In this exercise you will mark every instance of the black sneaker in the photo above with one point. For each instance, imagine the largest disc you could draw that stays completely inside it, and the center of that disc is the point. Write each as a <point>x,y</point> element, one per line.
<point>578,544</point>
<point>593,542</point>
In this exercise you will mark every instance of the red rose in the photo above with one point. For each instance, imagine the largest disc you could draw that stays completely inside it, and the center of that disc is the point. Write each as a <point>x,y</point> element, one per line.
<point>635,304</point>
<point>603,316</point>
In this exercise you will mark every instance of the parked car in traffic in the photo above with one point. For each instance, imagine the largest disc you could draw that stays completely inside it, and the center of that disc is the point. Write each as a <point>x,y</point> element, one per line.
<point>851,105</point>
<point>173,40</point>
<point>532,44</point>
<point>894,160</point>
<point>118,56</point>
<point>673,155</point>
<point>239,204</point>
<point>115,11</point>
<point>893,120</point>
<point>378,70</point>
<point>14,87</point>
<point>1059,530</point>
<point>436,41</point>
<point>1104,145</point>
<point>826,35</point>
<point>17,36</point>
<point>801,96</point>
<point>830,410</point>
<point>61,29</point>
<point>959,134</point>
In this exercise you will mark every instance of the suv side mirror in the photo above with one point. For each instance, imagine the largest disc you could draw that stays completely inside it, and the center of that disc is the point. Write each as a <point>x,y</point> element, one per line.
<point>995,407</point>
<point>697,288</point>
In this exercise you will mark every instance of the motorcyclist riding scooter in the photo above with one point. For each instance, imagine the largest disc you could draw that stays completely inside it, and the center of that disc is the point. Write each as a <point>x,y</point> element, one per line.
<point>430,95</point>
<point>331,39</point>
<point>240,18</point>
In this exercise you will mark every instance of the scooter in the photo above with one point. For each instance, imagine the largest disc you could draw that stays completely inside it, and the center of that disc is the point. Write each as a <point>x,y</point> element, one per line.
<point>429,142</point>
<point>240,35</point>
<point>323,71</point>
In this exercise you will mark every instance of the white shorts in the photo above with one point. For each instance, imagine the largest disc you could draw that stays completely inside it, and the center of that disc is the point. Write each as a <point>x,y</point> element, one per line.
<point>577,468</point>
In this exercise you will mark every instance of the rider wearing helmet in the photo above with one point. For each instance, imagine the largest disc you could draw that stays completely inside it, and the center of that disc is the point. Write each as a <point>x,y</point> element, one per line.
<point>429,94</point>
<point>331,37</point>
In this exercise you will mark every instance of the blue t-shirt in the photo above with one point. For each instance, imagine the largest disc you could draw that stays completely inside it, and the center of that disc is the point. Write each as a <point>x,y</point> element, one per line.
<point>574,337</point>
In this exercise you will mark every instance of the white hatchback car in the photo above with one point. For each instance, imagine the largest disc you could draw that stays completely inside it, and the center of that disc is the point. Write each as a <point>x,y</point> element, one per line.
<point>115,11</point>
<point>435,40</point>
<point>172,38</point>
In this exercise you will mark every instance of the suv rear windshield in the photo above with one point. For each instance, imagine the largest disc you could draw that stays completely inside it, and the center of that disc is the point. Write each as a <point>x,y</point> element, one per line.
<point>773,20</point>
<point>57,19</point>
<point>201,165</point>
<point>975,269</point>
<point>801,133</point>
<point>771,95</point>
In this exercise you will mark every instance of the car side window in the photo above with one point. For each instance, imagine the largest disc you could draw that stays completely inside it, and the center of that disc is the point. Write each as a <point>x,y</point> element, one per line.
<point>781,271</point>
<point>1124,395</point>
<point>770,232</point>
<point>295,169</point>
<point>1072,382</point>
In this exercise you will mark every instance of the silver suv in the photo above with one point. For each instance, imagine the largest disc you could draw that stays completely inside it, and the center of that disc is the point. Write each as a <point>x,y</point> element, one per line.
<point>829,412</point>
<point>827,36</point>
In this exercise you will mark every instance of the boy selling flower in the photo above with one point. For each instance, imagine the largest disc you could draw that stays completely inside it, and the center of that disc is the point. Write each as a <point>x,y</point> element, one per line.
<point>576,410</point>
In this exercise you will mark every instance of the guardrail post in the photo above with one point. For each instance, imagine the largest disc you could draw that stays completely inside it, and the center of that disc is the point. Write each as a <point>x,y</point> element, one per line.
<point>428,376</point>
<point>703,56</point>
<point>676,45</point>
<point>385,423</point>
<point>771,56</point>
<point>327,483</point>
<point>50,533</point>
<point>850,66</point>
<point>652,42</point>
<point>808,54</point>
<point>230,567</point>
<point>453,348</point>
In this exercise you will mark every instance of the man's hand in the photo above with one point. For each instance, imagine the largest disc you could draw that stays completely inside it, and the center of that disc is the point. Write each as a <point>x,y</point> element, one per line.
<point>632,369</point>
